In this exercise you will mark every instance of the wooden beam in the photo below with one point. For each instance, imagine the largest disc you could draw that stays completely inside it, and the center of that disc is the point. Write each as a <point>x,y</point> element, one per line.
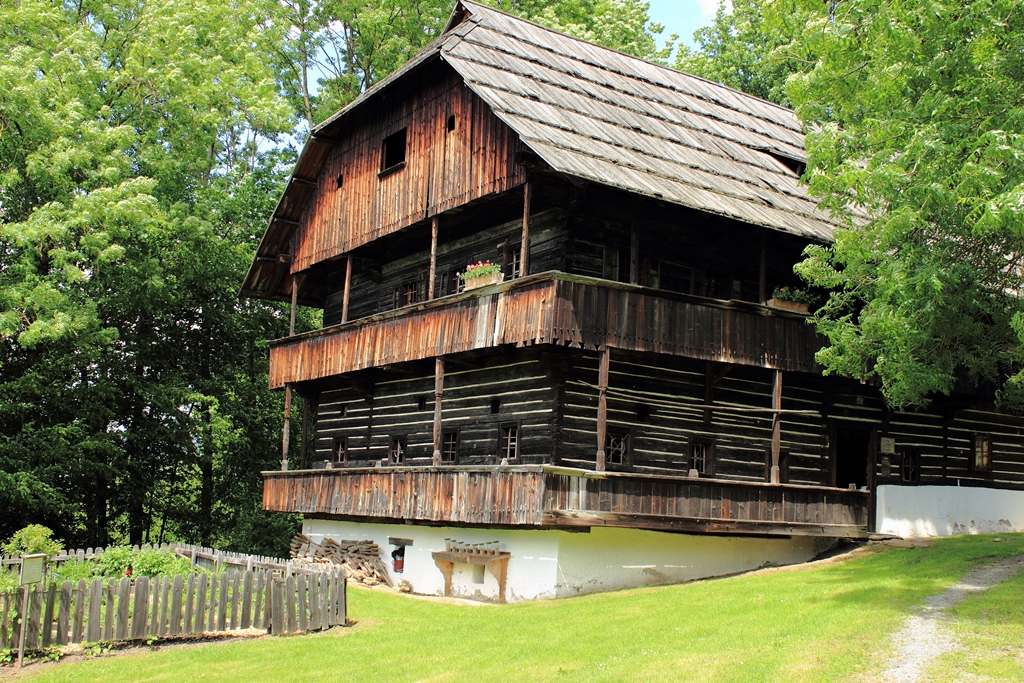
<point>438,392</point>
<point>286,432</point>
<point>348,289</point>
<point>590,518</point>
<point>295,303</point>
<point>762,278</point>
<point>602,406</point>
<point>634,249</point>
<point>433,258</point>
<point>776,426</point>
<point>305,181</point>
<point>524,250</point>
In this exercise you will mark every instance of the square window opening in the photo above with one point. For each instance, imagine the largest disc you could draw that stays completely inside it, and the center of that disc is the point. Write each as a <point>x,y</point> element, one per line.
<point>981,458</point>
<point>910,466</point>
<point>449,124</point>
<point>341,180</point>
<point>392,154</point>
<point>396,452</point>
<point>617,447</point>
<point>702,456</point>
<point>450,447</point>
<point>643,413</point>
<point>421,403</point>
<point>495,405</point>
<point>339,451</point>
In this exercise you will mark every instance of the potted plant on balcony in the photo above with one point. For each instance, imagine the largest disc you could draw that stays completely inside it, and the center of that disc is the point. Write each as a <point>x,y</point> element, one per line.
<point>481,273</point>
<point>791,299</point>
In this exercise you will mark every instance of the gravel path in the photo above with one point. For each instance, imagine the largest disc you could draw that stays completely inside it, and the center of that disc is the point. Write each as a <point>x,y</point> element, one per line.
<point>926,636</point>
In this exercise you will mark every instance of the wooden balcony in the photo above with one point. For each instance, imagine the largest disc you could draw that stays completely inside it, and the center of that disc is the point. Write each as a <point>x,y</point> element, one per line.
<point>551,497</point>
<point>553,308</point>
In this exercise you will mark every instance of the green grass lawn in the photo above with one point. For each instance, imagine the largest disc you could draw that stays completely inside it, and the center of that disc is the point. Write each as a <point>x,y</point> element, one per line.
<point>830,622</point>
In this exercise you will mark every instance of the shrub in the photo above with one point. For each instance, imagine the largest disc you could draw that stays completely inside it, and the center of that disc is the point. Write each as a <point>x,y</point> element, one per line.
<point>35,538</point>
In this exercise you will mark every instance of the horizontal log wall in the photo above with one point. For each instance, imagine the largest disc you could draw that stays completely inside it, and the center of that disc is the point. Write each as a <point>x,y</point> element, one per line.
<point>374,284</point>
<point>661,439</point>
<point>522,389</point>
<point>443,168</point>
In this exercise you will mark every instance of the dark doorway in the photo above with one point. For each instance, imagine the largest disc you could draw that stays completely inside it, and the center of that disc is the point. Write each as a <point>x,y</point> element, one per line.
<point>852,447</point>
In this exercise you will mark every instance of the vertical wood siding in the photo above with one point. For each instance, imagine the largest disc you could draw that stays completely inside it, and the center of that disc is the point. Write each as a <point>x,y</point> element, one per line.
<point>443,169</point>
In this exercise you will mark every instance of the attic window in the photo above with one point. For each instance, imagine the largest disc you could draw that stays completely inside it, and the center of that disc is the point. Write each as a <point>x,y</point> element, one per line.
<point>794,165</point>
<point>392,153</point>
<point>449,125</point>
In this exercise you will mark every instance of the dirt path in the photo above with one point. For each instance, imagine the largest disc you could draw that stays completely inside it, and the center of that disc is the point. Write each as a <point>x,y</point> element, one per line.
<point>926,636</point>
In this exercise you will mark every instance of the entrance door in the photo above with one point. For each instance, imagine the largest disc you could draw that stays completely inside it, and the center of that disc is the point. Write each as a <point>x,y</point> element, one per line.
<point>852,451</point>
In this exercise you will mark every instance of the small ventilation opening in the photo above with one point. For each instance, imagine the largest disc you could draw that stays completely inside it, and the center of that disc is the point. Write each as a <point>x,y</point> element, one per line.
<point>421,403</point>
<point>341,180</point>
<point>449,125</point>
<point>495,405</point>
<point>794,165</point>
<point>643,413</point>
<point>393,151</point>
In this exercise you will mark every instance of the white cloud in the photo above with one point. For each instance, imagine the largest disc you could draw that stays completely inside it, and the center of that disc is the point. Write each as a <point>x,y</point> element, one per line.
<point>709,7</point>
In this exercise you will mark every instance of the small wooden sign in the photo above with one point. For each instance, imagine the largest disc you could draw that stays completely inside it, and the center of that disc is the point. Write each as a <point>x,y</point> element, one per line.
<point>888,445</point>
<point>32,568</point>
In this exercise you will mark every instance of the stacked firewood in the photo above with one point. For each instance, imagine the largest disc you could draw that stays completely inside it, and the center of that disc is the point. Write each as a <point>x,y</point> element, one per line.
<point>361,559</point>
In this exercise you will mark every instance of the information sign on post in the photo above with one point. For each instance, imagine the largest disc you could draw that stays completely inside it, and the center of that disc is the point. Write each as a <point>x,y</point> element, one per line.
<point>31,572</point>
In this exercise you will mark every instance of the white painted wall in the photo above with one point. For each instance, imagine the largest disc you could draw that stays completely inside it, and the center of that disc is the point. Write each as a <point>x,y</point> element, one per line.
<point>549,564</point>
<point>611,558</point>
<point>948,510</point>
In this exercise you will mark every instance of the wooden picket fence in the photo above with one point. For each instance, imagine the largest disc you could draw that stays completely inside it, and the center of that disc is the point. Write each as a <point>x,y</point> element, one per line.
<point>170,607</point>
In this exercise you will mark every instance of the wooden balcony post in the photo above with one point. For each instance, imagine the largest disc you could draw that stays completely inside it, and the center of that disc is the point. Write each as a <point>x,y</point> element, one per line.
<point>348,289</point>
<point>776,426</point>
<point>286,432</point>
<point>762,278</point>
<point>524,251</point>
<point>438,391</point>
<point>602,407</point>
<point>433,258</point>
<point>295,301</point>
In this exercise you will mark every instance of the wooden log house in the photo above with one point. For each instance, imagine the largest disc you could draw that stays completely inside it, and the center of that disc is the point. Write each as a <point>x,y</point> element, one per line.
<point>626,379</point>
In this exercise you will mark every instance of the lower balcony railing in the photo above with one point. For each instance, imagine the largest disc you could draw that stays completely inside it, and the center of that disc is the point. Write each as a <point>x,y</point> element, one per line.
<point>546,496</point>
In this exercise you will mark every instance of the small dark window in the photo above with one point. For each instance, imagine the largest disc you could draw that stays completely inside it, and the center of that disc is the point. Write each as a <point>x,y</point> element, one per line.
<point>421,403</point>
<point>981,457</point>
<point>510,257</point>
<point>411,291</point>
<point>449,125</point>
<point>649,273</point>
<point>392,154</point>
<point>617,449</point>
<point>341,411</point>
<point>910,466</point>
<point>450,447</point>
<point>339,451</point>
<point>643,412</point>
<point>508,444</point>
<point>614,266</point>
<point>495,405</point>
<point>396,452</point>
<point>341,180</point>
<point>448,282</point>
<point>702,455</point>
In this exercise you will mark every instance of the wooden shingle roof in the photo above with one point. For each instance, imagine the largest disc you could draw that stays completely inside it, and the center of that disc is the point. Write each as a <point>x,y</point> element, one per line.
<point>617,120</point>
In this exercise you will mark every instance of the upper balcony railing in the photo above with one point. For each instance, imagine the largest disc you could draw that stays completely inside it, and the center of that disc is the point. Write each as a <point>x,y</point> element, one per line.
<point>553,307</point>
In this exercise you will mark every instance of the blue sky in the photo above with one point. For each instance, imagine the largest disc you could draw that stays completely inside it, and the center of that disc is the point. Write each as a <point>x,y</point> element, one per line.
<point>683,16</point>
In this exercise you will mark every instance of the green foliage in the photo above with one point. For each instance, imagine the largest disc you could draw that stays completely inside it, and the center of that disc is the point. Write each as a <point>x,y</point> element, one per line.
<point>480,269</point>
<point>32,539</point>
<point>916,113</point>
<point>750,47</point>
<point>799,296</point>
<point>118,560</point>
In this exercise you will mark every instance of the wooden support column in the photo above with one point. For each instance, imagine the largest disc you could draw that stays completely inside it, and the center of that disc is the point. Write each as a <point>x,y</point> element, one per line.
<point>347,290</point>
<point>438,392</point>
<point>762,279</point>
<point>602,407</point>
<point>524,250</point>
<point>433,258</point>
<point>776,426</point>
<point>286,430</point>
<point>634,249</point>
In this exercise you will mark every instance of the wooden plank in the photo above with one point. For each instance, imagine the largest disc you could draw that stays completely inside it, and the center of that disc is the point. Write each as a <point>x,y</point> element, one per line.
<point>161,629</point>
<point>93,633</point>
<point>48,614</point>
<point>63,613</point>
<point>121,618</point>
<point>289,601</point>
<point>140,609</point>
<point>35,605</point>
<point>314,603</point>
<point>247,584</point>
<point>268,601</point>
<point>174,623</point>
<point>199,624</point>
<point>301,603</point>
<point>276,599</point>
<point>80,597</point>
<point>156,588</point>
<point>222,602</point>
<point>236,584</point>
<point>5,625</point>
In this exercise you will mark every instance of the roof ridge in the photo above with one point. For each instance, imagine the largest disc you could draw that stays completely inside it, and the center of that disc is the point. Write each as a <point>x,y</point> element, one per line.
<point>488,8</point>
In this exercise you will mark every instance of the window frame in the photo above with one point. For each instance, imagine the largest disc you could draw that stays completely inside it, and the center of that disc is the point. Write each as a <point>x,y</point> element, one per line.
<point>502,426</point>
<point>339,451</point>
<point>403,441</point>
<point>710,458</point>
<point>385,169</point>
<point>445,433</point>
<point>915,458</point>
<point>973,462</point>
<point>627,459</point>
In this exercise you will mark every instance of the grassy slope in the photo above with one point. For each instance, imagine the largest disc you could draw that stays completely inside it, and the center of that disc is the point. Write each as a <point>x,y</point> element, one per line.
<point>826,623</point>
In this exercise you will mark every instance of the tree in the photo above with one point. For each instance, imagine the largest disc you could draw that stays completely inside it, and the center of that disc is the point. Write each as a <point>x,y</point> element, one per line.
<point>750,47</point>
<point>916,120</point>
<point>125,130</point>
